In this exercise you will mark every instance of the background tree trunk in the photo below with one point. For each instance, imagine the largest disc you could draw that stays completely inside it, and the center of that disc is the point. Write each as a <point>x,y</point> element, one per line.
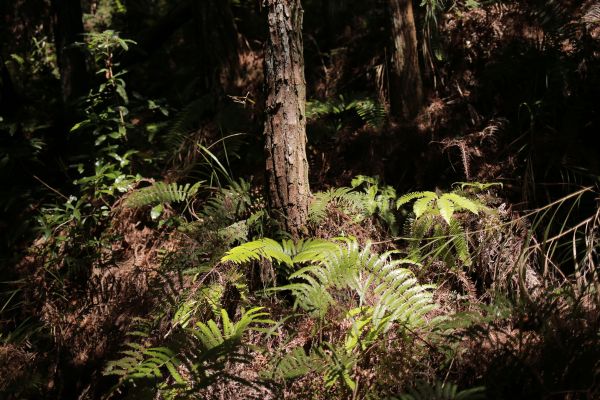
<point>9,99</point>
<point>68,29</point>
<point>218,44</point>
<point>406,86</point>
<point>285,123</point>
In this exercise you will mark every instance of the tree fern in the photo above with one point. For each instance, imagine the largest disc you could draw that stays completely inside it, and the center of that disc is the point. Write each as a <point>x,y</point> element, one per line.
<point>161,193</point>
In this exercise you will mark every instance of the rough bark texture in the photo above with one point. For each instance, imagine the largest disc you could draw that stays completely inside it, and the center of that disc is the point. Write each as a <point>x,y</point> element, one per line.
<point>68,29</point>
<point>406,86</point>
<point>285,123</point>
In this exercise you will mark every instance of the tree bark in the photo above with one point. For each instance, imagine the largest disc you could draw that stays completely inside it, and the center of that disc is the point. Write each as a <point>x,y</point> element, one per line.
<point>68,29</point>
<point>406,86</point>
<point>285,121</point>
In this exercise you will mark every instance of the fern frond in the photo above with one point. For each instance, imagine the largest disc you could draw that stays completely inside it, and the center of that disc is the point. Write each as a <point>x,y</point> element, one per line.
<point>592,15</point>
<point>145,363</point>
<point>446,207</point>
<point>294,364</point>
<point>335,364</point>
<point>212,337</point>
<point>424,204</point>
<point>161,193</point>
<point>342,197</point>
<point>441,391</point>
<point>255,250</point>
<point>411,196</point>
<point>312,250</point>
<point>459,239</point>
<point>229,204</point>
<point>371,276</point>
<point>463,203</point>
<point>372,113</point>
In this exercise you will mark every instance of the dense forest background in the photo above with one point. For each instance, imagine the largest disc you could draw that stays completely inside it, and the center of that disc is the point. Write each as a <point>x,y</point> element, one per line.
<point>435,232</point>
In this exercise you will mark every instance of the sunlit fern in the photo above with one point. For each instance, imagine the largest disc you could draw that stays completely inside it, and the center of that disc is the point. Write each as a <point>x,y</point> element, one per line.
<point>343,272</point>
<point>287,252</point>
<point>434,231</point>
<point>200,355</point>
<point>372,292</point>
<point>161,193</point>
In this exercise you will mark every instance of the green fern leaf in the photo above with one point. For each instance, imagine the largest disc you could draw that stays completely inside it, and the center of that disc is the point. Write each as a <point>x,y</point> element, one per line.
<point>410,197</point>
<point>463,203</point>
<point>423,204</point>
<point>161,193</point>
<point>262,248</point>
<point>446,207</point>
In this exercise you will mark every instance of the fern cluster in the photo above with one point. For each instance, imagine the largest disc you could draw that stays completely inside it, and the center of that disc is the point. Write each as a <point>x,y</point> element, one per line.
<point>162,193</point>
<point>364,199</point>
<point>341,280</point>
<point>369,111</point>
<point>232,215</point>
<point>196,359</point>
<point>435,232</point>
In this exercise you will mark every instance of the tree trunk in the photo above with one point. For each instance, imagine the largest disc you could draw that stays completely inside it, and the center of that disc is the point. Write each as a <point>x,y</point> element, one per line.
<point>285,123</point>
<point>9,99</point>
<point>218,44</point>
<point>406,86</point>
<point>68,29</point>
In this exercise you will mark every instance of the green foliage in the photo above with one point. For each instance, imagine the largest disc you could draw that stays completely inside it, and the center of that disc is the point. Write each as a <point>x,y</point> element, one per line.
<point>288,252</point>
<point>389,293</point>
<point>212,338</point>
<point>162,193</point>
<point>344,198</point>
<point>342,282</point>
<point>373,200</point>
<point>145,363</point>
<point>360,277</point>
<point>231,204</point>
<point>334,364</point>
<point>204,347</point>
<point>445,205</point>
<point>436,226</point>
<point>232,215</point>
<point>442,391</point>
<point>369,111</point>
